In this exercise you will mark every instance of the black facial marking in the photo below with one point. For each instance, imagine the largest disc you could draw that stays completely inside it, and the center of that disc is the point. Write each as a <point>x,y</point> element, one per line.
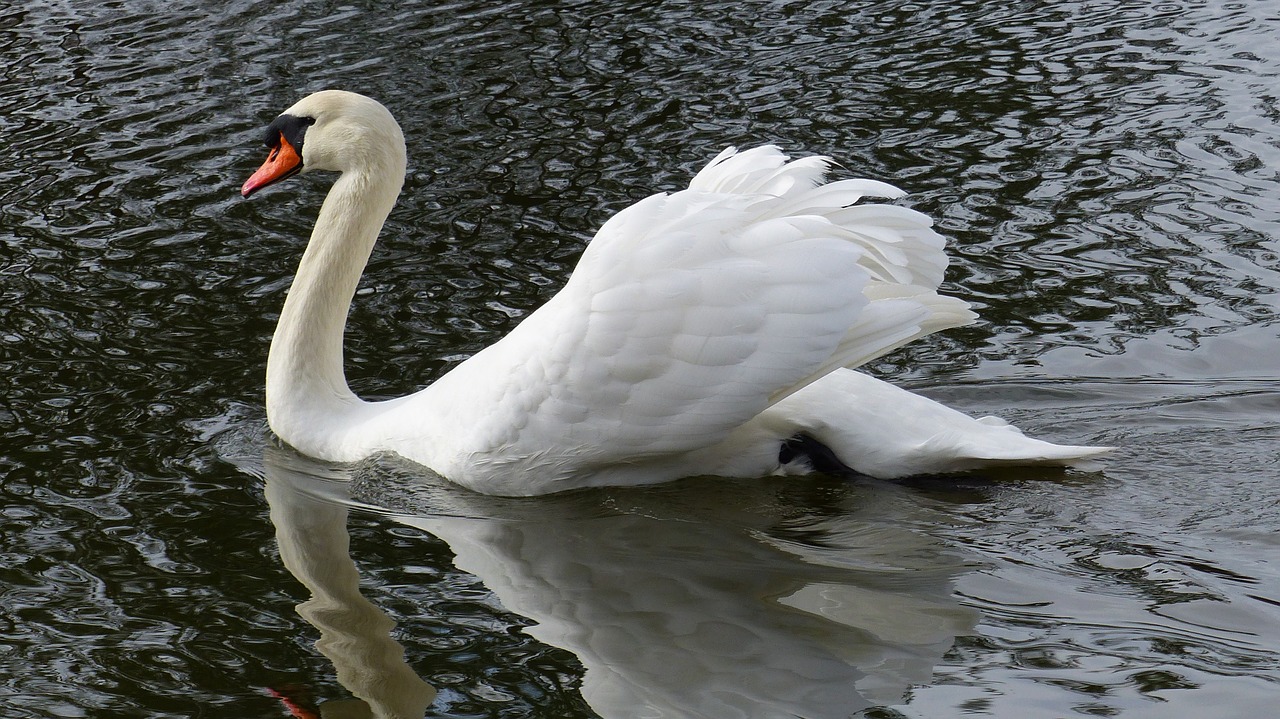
<point>819,455</point>
<point>291,127</point>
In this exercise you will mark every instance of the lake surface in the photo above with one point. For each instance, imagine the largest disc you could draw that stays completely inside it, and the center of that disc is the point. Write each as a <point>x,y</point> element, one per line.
<point>1108,174</point>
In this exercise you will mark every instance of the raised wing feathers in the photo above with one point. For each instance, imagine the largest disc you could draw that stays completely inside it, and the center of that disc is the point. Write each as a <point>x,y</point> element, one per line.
<point>690,313</point>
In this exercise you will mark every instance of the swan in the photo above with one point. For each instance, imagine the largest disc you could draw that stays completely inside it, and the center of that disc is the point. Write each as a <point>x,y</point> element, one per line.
<point>703,332</point>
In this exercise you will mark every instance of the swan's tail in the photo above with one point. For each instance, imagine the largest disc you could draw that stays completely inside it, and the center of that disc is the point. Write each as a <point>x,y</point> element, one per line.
<point>884,431</point>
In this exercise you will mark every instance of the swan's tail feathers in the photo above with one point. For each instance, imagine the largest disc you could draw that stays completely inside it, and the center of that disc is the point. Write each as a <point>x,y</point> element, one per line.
<point>990,442</point>
<point>896,316</point>
<point>1004,443</point>
<point>884,431</point>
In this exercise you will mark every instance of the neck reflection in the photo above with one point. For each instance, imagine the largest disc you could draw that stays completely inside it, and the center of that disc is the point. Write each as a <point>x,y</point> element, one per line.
<point>311,532</point>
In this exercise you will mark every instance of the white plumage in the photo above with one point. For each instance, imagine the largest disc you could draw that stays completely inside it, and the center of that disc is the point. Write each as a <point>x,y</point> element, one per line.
<point>701,331</point>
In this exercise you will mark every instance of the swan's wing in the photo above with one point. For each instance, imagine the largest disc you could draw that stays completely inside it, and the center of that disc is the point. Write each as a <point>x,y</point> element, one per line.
<point>690,313</point>
<point>687,328</point>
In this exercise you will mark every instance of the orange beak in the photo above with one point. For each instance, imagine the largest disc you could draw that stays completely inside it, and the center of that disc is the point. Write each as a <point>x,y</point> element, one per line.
<point>283,162</point>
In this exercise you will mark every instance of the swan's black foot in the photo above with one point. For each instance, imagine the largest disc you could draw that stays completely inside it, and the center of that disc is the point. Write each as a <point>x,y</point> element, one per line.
<point>818,455</point>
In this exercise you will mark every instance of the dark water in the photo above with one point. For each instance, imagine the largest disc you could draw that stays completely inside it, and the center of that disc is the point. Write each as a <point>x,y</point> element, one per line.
<point>1108,172</point>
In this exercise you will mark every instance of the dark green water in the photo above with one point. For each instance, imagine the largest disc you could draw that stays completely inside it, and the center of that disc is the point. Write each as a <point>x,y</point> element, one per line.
<point>1108,173</point>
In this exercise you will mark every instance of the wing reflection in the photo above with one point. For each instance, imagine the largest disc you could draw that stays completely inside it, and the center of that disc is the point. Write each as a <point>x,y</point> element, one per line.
<point>678,601</point>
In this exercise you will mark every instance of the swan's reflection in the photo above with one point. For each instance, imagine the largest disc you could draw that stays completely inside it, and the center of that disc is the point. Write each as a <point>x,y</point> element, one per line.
<point>355,635</point>
<point>696,600</point>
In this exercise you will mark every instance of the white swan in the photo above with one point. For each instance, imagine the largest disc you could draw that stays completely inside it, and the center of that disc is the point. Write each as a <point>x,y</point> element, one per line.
<point>703,332</point>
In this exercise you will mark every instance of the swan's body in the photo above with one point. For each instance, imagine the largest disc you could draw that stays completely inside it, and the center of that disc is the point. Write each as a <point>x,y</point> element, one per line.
<point>703,332</point>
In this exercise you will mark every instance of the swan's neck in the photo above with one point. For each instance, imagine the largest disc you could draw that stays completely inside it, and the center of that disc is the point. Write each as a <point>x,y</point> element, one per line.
<point>308,400</point>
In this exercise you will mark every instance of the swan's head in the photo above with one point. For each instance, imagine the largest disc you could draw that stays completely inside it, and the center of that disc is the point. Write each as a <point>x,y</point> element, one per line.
<point>329,130</point>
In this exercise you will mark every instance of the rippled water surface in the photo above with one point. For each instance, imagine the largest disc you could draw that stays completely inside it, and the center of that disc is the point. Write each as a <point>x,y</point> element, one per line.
<point>1108,174</point>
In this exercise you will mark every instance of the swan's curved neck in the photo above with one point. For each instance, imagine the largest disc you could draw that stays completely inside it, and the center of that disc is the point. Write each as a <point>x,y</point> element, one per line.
<point>307,395</point>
